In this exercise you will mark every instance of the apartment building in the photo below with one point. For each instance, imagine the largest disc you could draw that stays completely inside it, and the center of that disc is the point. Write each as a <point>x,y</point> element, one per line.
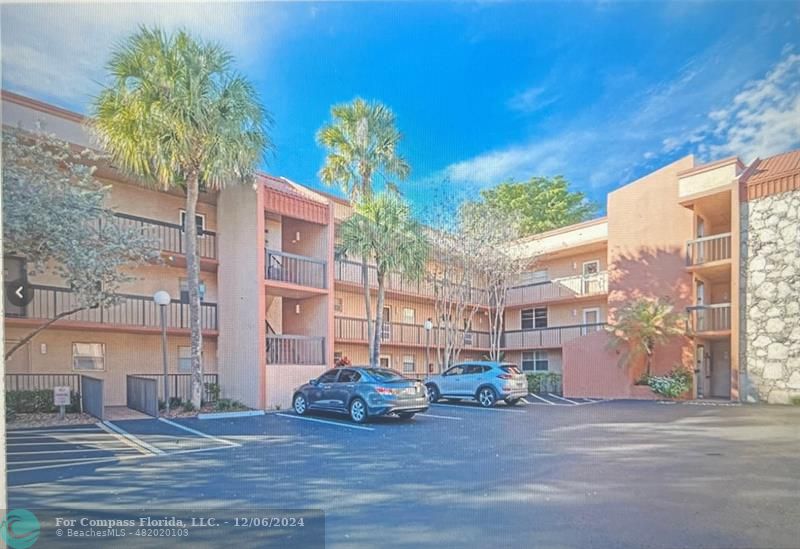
<point>719,240</point>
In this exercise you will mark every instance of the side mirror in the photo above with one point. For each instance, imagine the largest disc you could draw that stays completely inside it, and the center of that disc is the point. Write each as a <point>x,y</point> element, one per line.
<point>313,381</point>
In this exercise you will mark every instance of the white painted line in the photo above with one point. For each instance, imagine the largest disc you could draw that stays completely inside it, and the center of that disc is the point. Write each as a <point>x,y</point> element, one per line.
<point>129,438</point>
<point>441,417</point>
<point>61,443</point>
<point>226,415</point>
<point>525,401</point>
<point>481,409</point>
<point>62,436</point>
<point>84,462</point>
<point>51,452</point>
<point>562,398</point>
<point>45,431</point>
<point>327,422</point>
<point>70,460</point>
<point>198,433</point>
<point>543,399</point>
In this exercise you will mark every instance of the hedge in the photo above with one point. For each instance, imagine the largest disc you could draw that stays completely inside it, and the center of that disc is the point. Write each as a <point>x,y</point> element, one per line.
<point>544,382</point>
<point>38,401</point>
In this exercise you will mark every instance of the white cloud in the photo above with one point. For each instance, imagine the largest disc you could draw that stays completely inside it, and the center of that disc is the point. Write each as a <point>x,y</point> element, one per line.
<point>58,51</point>
<point>531,100</point>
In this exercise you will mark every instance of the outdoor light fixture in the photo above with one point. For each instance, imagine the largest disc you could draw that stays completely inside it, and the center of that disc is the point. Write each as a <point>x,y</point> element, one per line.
<point>428,327</point>
<point>162,299</point>
<point>297,309</point>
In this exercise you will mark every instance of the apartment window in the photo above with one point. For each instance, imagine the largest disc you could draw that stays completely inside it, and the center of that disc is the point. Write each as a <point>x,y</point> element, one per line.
<point>533,277</point>
<point>533,318</point>
<point>385,361</point>
<point>408,363</point>
<point>337,356</point>
<point>337,304</point>
<point>185,291</point>
<point>185,359</point>
<point>591,268</point>
<point>89,356</point>
<point>535,361</point>
<point>409,315</point>
<point>200,220</point>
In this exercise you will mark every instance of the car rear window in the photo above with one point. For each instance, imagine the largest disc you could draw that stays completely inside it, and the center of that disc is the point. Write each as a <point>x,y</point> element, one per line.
<point>511,368</point>
<point>383,374</point>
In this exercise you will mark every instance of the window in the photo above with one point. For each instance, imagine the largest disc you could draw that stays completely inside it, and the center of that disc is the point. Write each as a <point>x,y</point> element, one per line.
<point>200,220</point>
<point>526,319</point>
<point>408,363</point>
<point>533,277</point>
<point>185,359</point>
<point>454,371</point>
<point>409,315</point>
<point>591,268</point>
<point>349,376</point>
<point>533,318</point>
<point>328,377</point>
<point>385,361</point>
<point>337,304</point>
<point>474,369</point>
<point>185,291</point>
<point>88,356</point>
<point>337,356</point>
<point>535,361</point>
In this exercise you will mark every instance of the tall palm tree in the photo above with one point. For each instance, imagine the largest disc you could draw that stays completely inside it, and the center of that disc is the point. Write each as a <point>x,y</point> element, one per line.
<point>383,230</point>
<point>178,115</point>
<point>640,327</point>
<point>361,143</point>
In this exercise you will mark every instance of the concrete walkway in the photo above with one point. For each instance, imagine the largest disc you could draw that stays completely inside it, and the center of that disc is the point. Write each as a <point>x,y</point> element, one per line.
<point>117,413</point>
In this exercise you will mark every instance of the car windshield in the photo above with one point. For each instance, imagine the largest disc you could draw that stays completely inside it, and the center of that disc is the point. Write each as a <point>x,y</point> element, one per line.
<point>383,374</point>
<point>511,368</point>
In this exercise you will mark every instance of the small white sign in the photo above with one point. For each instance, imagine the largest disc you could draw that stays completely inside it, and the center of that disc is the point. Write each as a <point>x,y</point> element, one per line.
<point>61,396</point>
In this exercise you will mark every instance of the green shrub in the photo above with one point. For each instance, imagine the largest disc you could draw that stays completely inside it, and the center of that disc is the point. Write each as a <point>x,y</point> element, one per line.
<point>188,406</point>
<point>796,401</point>
<point>213,391</point>
<point>677,382</point>
<point>229,405</point>
<point>38,401</point>
<point>544,382</point>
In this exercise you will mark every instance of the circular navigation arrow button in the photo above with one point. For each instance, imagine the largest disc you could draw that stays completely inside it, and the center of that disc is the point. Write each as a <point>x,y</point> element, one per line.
<point>19,292</point>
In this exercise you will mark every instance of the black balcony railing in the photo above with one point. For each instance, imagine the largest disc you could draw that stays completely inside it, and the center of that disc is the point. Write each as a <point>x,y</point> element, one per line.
<point>170,235</point>
<point>710,318</point>
<point>399,333</point>
<point>295,349</point>
<point>551,337</point>
<point>296,269</point>
<point>131,310</point>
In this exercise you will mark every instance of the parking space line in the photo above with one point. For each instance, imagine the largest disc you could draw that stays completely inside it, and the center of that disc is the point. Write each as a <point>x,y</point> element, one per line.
<point>564,399</point>
<point>83,462</point>
<point>441,417</point>
<point>129,439</point>
<point>199,433</point>
<point>524,400</point>
<point>12,432</point>
<point>462,407</point>
<point>317,420</point>
<point>124,448</point>
<point>543,399</point>
<point>59,443</point>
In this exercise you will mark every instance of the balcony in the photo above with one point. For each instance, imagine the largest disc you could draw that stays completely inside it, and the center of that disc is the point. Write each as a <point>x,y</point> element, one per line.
<point>708,249</point>
<point>548,338</point>
<point>710,320</point>
<point>171,236</point>
<point>295,349</point>
<point>398,333</point>
<point>132,311</point>
<point>350,272</point>
<point>296,269</point>
<point>558,289</point>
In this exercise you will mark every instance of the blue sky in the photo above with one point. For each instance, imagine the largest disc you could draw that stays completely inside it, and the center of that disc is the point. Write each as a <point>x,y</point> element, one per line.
<point>599,92</point>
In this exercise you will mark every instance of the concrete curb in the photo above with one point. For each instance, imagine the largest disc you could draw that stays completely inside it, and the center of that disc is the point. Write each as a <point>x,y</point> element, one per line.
<point>226,415</point>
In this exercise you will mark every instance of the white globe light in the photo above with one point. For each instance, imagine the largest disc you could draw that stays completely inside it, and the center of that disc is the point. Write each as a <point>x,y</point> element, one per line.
<point>428,325</point>
<point>161,298</point>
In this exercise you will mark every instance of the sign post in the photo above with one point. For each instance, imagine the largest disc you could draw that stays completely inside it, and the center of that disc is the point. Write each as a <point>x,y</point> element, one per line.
<point>61,396</point>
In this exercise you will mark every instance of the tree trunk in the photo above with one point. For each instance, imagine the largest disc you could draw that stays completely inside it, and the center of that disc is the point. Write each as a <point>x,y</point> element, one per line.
<point>44,326</point>
<point>193,283</point>
<point>368,308</point>
<point>376,346</point>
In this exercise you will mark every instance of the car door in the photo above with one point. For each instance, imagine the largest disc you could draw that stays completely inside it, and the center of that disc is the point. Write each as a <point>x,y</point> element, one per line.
<point>450,379</point>
<point>470,380</point>
<point>344,388</point>
<point>322,394</point>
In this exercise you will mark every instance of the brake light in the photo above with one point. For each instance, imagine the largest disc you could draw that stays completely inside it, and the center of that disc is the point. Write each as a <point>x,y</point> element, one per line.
<point>506,376</point>
<point>384,391</point>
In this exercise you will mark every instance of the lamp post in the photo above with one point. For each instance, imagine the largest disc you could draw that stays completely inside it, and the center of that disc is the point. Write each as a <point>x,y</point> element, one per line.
<point>162,299</point>
<point>428,327</point>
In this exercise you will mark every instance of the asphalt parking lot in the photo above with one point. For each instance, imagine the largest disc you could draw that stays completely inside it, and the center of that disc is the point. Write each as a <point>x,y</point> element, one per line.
<point>594,474</point>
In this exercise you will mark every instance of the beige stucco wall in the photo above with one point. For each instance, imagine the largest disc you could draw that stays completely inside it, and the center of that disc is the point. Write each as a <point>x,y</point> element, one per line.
<point>553,357</point>
<point>570,265</point>
<point>561,314</point>
<point>709,179</point>
<point>126,353</point>
<point>152,204</point>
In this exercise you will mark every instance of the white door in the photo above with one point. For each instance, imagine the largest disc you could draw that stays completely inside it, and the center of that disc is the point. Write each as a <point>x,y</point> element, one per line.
<point>385,361</point>
<point>591,319</point>
<point>386,327</point>
<point>591,270</point>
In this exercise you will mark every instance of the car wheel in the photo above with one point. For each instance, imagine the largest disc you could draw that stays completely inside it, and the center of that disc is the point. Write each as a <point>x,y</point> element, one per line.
<point>406,415</point>
<point>358,410</point>
<point>433,392</point>
<point>486,397</point>
<point>512,401</point>
<point>300,405</point>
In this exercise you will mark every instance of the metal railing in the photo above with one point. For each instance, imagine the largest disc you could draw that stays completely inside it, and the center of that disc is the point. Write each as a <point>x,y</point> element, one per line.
<point>399,333</point>
<point>295,349</point>
<point>132,310</point>
<point>38,382</point>
<point>716,247</point>
<point>170,235</point>
<point>296,269</point>
<point>92,396</point>
<point>142,394</point>
<point>710,318</point>
<point>558,288</point>
<point>543,338</point>
<point>180,385</point>
<point>351,272</point>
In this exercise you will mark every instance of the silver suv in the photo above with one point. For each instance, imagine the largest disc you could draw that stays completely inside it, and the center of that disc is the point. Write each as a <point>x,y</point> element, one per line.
<point>486,382</point>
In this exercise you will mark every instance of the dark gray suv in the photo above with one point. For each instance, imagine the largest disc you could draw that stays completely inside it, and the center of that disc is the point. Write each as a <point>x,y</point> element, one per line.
<point>362,392</point>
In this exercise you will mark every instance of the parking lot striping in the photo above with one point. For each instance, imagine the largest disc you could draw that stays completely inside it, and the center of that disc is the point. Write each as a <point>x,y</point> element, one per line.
<point>89,461</point>
<point>34,431</point>
<point>562,398</point>
<point>524,400</point>
<point>124,448</point>
<point>441,417</point>
<point>467,407</point>
<point>199,433</point>
<point>58,443</point>
<point>340,424</point>
<point>543,400</point>
<point>128,438</point>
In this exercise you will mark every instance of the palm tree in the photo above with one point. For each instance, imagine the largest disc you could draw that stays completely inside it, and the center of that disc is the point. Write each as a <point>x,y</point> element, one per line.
<point>177,115</point>
<point>383,230</point>
<point>640,327</point>
<point>361,143</point>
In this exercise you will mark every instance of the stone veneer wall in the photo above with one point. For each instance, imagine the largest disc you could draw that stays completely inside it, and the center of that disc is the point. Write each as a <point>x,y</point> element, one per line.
<point>770,312</point>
